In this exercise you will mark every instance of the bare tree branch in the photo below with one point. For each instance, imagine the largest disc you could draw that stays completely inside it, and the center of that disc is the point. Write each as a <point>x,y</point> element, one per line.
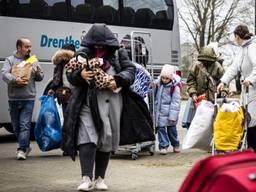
<point>210,20</point>
<point>190,30</point>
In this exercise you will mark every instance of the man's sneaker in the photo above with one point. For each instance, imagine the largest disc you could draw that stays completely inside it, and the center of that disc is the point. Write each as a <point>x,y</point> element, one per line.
<point>100,184</point>
<point>176,149</point>
<point>28,151</point>
<point>86,184</point>
<point>163,151</point>
<point>21,155</point>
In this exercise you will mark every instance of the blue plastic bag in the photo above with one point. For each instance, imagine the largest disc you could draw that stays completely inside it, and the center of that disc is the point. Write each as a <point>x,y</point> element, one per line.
<point>48,125</point>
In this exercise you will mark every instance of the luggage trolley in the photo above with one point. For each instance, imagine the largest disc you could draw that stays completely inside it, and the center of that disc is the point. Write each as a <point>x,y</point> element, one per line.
<point>140,51</point>
<point>223,137</point>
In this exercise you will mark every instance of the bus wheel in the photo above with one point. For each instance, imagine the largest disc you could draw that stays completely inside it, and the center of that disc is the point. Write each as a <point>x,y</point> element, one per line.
<point>32,133</point>
<point>8,127</point>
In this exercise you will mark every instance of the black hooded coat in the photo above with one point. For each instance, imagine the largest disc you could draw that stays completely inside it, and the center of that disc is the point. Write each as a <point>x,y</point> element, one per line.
<point>136,122</point>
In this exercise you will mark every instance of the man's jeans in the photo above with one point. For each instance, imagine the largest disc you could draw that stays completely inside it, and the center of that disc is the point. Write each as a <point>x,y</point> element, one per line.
<point>166,135</point>
<point>21,115</point>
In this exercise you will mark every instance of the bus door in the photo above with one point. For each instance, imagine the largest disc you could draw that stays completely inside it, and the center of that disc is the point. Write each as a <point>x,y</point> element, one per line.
<point>141,49</point>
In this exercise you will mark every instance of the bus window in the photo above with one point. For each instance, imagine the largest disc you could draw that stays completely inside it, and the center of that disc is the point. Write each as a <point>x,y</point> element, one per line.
<point>128,16</point>
<point>59,11</point>
<point>82,11</point>
<point>147,13</point>
<point>38,9</point>
<point>161,20</point>
<point>27,9</point>
<point>106,14</point>
<point>106,11</point>
<point>111,3</point>
<point>143,17</point>
<point>18,8</point>
<point>2,7</point>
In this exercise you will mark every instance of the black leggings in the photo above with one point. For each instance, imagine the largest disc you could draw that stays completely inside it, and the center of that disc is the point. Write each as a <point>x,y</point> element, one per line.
<point>89,155</point>
<point>251,138</point>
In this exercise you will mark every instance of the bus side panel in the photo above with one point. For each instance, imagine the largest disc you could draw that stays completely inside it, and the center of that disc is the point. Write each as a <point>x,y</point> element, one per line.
<point>4,113</point>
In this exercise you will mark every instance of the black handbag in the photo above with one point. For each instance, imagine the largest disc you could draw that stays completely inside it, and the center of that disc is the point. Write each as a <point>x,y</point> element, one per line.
<point>63,94</point>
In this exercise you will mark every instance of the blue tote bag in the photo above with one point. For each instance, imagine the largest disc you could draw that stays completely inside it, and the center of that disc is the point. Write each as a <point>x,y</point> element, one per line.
<point>48,125</point>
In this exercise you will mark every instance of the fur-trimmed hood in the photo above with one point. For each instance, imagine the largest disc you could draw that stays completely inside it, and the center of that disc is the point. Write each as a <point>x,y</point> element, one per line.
<point>62,55</point>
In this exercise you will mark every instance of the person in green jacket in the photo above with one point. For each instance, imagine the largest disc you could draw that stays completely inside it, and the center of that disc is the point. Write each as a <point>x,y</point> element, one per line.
<point>204,75</point>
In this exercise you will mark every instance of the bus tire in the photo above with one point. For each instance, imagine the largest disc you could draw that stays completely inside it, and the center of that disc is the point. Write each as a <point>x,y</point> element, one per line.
<point>32,133</point>
<point>8,127</point>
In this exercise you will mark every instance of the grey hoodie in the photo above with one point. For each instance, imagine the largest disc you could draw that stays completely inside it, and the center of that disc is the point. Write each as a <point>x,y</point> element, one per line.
<point>27,92</point>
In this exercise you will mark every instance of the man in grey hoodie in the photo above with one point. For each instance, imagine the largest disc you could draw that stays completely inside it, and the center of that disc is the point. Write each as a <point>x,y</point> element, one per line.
<point>21,93</point>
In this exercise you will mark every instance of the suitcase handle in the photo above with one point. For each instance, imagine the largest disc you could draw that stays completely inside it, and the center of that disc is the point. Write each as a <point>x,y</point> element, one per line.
<point>252,176</point>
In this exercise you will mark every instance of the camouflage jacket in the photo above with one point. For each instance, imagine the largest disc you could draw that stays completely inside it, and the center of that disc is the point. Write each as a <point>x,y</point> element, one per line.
<point>200,82</point>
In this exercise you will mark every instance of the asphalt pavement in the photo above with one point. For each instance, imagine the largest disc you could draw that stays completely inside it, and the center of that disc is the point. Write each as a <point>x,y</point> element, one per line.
<point>50,171</point>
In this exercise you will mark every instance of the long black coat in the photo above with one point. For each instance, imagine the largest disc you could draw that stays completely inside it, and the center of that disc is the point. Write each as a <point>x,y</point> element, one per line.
<point>124,77</point>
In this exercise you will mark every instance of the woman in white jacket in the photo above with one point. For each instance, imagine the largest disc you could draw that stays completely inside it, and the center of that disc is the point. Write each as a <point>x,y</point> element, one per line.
<point>245,63</point>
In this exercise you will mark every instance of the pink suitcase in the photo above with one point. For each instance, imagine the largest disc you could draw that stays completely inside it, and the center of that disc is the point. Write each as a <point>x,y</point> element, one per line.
<point>234,172</point>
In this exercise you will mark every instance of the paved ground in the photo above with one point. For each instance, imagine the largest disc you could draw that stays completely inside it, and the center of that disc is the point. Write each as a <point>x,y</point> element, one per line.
<point>50,171</point>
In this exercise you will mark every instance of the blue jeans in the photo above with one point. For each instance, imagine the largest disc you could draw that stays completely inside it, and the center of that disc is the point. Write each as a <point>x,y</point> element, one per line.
<point>167,135</point>
<point>21,115</point>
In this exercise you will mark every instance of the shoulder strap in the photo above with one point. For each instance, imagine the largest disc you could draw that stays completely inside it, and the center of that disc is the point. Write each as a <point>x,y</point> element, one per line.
<point>203,69</point>
<point>173,88</point>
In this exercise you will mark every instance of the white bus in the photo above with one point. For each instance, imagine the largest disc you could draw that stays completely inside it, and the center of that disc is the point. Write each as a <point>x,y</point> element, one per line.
<point>51,23</point>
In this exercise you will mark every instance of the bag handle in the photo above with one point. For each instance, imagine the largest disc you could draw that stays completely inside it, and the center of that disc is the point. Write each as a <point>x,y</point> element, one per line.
<point>203,69</point>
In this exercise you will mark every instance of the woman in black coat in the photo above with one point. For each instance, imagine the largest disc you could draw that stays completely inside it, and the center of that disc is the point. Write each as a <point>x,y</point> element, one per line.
<point>92,119</point>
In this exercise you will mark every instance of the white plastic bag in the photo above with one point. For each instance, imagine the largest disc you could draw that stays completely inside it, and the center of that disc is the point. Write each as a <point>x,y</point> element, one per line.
<point>233,106</point>
<point>199,134</point>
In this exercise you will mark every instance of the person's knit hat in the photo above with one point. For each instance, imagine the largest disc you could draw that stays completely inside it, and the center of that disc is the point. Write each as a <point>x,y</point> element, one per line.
<point>167,71</point>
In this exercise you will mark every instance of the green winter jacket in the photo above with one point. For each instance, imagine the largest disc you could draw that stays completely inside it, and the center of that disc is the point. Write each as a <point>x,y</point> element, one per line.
<point>205,74</point>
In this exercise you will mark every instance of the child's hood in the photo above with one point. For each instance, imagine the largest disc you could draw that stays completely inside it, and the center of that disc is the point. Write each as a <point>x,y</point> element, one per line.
<point>176,79</point>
